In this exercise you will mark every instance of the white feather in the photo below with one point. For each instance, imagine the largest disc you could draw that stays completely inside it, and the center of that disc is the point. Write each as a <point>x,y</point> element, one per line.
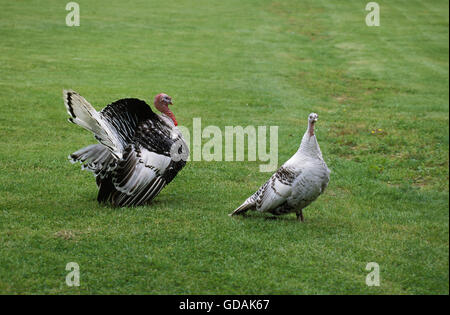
<point>83,114</point>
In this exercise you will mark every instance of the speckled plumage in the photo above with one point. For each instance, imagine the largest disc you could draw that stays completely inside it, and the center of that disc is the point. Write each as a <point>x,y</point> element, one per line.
<point>132,162</point>
<point>296,184</point>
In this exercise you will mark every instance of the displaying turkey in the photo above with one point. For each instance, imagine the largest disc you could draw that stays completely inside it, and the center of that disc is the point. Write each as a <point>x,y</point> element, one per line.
<point>296,184</point>
<point>139,152</point>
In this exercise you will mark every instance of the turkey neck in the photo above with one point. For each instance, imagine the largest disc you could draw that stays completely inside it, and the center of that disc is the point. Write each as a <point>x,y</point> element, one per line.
<point>163,108</point>
<point>310,128</point>
<point>169,113</point>
<point>310,146</point>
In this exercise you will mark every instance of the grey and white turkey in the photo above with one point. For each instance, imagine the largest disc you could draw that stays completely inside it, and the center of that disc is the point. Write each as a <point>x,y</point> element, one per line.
<point>296,184</point>
<point>139,152</point>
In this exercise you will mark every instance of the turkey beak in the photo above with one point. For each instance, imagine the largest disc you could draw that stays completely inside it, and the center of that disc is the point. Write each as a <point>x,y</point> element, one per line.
<point>170,102</point>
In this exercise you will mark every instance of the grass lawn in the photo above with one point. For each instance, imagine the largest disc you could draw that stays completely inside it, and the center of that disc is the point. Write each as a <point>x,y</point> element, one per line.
<point>382,96</point>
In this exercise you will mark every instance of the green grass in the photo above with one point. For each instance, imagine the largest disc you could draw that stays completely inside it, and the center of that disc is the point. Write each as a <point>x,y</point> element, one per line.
<point>230,63</point>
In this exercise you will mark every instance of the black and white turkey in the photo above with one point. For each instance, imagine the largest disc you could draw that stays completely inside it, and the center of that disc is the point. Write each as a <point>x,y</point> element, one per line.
<point>139,152</point>
<point>296,184</point>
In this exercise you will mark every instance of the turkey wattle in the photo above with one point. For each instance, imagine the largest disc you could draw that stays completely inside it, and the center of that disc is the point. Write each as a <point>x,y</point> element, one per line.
<point>139,152</point>
<point>296,184</point>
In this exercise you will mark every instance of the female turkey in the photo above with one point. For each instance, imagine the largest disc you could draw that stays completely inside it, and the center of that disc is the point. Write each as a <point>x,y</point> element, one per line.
<point>296,184</point>
<point>139,152</point>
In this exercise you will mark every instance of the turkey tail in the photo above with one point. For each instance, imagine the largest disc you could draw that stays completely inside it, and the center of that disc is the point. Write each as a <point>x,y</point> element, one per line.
<point>247,205</point>
<point>95,158</point>
<point>83,114</point>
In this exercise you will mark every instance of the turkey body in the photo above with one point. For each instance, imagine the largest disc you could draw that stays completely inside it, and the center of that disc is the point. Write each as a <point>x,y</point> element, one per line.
<point>138,154</point>
<point>295,185</point>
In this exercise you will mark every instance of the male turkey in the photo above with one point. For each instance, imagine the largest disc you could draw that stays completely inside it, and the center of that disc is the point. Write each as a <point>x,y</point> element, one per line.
<point>139,152</point>
<point>296,184</point>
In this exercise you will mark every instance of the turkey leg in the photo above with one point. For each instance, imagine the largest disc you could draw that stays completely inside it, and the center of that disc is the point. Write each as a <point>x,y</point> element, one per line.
<point>300,215</point>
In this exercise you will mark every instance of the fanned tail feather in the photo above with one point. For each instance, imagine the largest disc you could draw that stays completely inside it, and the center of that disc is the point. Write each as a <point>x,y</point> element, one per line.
<point>83,114</point>
<point>95,158</point>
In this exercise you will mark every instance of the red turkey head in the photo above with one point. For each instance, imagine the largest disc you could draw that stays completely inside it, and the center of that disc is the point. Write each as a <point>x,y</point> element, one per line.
<point>162,102</point>
<point>162,99</point>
